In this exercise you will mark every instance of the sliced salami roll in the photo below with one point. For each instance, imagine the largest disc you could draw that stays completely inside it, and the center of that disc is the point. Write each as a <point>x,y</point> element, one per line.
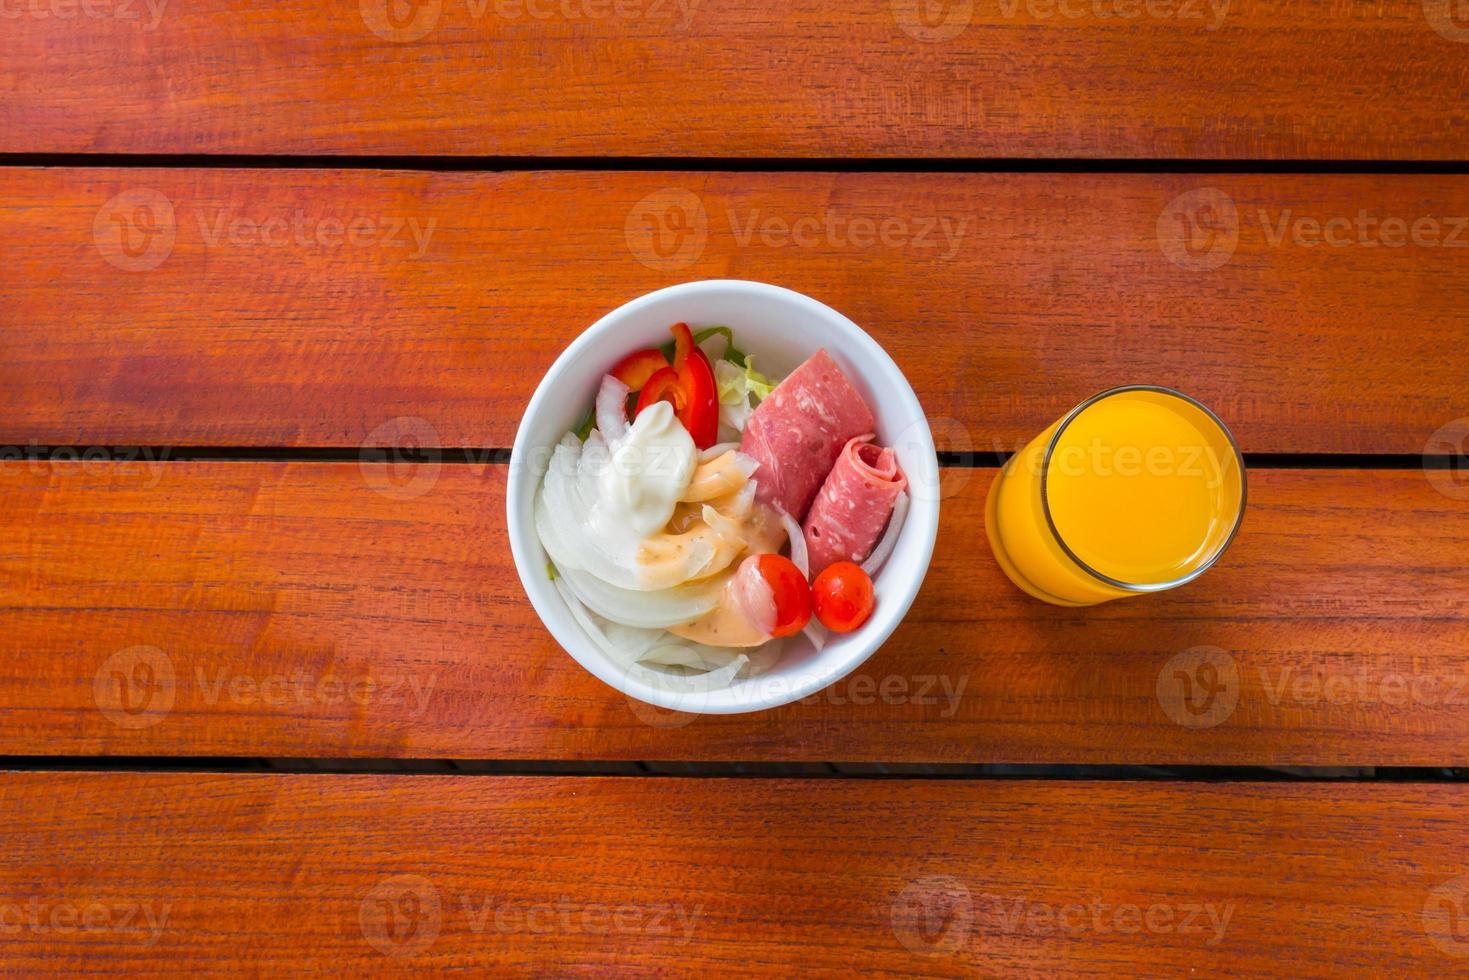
<point>854,504</point>
<point>797,433</point>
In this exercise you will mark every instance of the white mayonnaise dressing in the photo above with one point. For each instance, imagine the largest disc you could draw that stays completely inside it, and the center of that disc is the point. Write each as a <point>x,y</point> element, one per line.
<point>648,472</point>
<point>647,536</point>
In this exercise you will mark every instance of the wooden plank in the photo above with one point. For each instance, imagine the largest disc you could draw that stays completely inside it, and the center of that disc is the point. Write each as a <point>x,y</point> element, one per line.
<point>872,78</point>
<point>248,873</point>
<point>332,610</point>
<point>1007,298</point>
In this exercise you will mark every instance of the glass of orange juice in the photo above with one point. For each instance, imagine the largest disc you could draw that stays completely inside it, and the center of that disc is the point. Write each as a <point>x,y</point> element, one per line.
<point>1137,489</point>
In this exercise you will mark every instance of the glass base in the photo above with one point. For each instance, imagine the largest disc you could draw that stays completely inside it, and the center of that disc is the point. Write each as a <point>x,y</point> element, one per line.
<point>1003,560</point>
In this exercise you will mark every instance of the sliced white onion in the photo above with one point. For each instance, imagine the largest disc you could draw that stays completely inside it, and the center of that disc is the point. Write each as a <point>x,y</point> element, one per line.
<point>701,559</point>
<point>690,683</point>
<point>627,655</point>
<point>550,534</point>
<point>695,656</point>
<point>612,408</point>
<point>798,543</point>
<point>584,620</point>
<point>570,492</point>
<point>889,538</point>
<point>763,657</point>
<point>816,633</point>
<point>630,640</point>
<point>566,494</point>
<point>719,477</point>
<point>596,456</point>
<point>730,530</point>
<point>753,596</point>
<point>654,609</point>
<point>742,503</point>
<point>717,450</point>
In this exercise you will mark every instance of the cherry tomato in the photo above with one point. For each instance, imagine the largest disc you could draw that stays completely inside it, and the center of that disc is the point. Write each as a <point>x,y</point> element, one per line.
<point>842,595</point>
<point>792,594</point>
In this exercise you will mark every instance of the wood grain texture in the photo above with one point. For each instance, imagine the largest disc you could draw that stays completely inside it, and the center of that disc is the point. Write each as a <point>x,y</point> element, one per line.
<point>1208,79</point>
<point>547,876</point>
<point>1006,298</point>
<point>316,610</point>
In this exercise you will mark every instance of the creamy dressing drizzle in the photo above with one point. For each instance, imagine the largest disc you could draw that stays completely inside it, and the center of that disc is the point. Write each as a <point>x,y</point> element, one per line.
<point>745,614</point>
<point>646,475</point>
<point>651,492</point>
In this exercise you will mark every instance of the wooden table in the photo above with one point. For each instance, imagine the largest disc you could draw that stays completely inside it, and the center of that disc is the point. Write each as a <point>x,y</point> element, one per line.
<point>279,279</point>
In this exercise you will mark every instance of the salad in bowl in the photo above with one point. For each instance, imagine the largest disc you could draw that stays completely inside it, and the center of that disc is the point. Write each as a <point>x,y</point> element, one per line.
<point>718,515</point>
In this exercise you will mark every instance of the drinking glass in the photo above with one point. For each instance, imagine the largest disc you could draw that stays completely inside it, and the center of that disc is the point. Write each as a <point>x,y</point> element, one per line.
<point>1138,489</point>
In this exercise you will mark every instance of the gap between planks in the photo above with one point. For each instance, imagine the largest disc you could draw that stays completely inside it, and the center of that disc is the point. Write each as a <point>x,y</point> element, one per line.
<point>736,770</point>
<point>465,455</point>
<point>458,164</point>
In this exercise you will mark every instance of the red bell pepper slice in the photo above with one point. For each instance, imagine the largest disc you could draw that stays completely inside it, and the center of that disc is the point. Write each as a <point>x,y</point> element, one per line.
<point>688,384</point>
<point>662,386</point>
<point>703,416</point>
<point>635,369</point>
<point>683,342</point>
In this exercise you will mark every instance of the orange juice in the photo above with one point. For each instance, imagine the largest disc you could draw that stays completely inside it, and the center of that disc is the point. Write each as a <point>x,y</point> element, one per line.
<point>1135,490</point>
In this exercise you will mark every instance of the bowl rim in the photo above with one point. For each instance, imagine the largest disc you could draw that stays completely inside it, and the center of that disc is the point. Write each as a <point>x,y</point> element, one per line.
<point>922,519</point>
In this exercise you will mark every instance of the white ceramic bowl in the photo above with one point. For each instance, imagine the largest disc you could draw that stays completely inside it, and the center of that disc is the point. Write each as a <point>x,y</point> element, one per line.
<point>781,328</point>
